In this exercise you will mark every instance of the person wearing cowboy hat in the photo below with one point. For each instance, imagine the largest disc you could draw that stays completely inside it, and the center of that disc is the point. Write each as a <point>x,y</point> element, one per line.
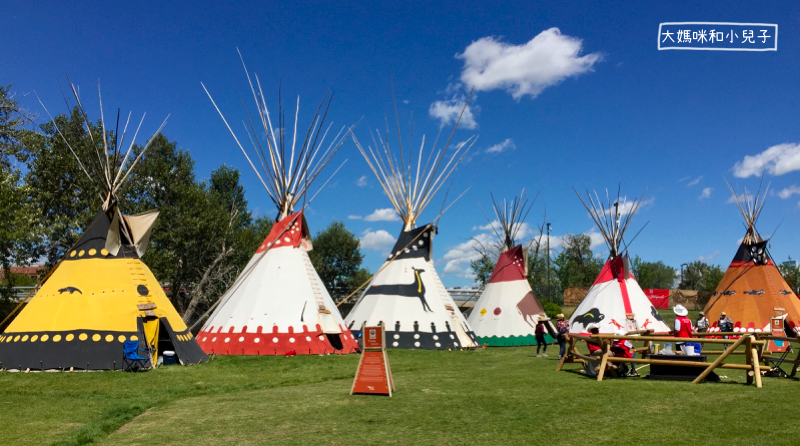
<point>562,327</point>
<point>702,323</point>
<point>683,325</point>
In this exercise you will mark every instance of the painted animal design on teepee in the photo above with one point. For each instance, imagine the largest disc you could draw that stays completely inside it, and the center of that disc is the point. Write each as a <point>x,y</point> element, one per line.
<point>593,315</point>
<point>655,314</point>
<point>615,294</point>
<point>414,289</point>
<point>529,307</point>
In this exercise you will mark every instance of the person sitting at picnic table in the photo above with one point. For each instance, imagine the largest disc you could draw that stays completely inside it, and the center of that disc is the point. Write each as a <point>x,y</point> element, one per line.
<point>622,348</point>
<point>683,325</point>
<point>594,348</point>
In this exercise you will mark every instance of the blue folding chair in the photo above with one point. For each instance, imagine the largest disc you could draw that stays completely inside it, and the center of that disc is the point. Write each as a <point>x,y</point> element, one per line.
<point>132,361</point>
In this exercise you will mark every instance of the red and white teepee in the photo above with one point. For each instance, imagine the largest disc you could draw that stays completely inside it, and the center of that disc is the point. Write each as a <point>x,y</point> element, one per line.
<point>507,312</point>
<point>615,293</point>
<point>278,304</point>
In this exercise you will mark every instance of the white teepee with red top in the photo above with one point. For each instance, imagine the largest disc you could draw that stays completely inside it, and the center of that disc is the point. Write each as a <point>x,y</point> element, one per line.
<point>615,293</point>
<point>507,312</point>
<point>278,304</point>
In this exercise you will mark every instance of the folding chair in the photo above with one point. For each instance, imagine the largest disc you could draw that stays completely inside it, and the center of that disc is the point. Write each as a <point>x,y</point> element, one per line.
<point>131,361</point>
<point>775,370</point>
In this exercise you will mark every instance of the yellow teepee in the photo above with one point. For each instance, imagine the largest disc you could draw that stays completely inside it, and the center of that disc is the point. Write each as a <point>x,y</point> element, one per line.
<point>101,294</point>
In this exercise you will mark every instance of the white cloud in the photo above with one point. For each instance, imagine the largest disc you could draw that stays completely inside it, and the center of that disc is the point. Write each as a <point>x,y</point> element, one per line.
<point>379,240</point>
<point>448,111</point>
<point>743,197</point>
<point>789,191</point>
<point>361,182</point>
<point>354,217</point>
<point>708,257</point>
<point>387,214</point>
<point>525,69</point>
<point>694,182</point>
<point>626,206</point>
<point>522,233</point>
<point>706,193</point>
<point>460,256</point>
<point>776,160</point>
<point>502,147</point>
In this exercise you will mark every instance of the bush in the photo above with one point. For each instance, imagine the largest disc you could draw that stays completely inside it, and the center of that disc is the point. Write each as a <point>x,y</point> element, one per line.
<point>551,309</point>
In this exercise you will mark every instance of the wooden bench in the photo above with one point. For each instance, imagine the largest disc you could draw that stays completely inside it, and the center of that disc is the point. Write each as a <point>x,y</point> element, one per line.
<point>752,348</point>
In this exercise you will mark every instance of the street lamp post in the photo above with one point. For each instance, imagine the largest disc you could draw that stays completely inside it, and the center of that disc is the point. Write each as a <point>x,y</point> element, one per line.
<point>548,258</point>
<point>682,265</point>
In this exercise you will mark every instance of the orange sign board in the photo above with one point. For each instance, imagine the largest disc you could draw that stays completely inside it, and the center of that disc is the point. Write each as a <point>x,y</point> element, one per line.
<point>374,375</point>
<point>775,346</point>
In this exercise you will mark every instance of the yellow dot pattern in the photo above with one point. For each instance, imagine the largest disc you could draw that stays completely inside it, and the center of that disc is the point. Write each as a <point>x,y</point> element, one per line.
<point>72,254</point>
<point>104,252</point>
<point>96,337</point>
<point>81,253</point>
<point>92,252</point>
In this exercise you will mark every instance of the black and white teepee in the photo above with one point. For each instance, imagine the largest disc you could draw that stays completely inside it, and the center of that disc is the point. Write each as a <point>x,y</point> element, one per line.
<point>407,294</point>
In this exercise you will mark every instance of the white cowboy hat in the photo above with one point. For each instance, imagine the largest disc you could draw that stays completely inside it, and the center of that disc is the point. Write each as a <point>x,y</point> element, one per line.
<point>680,310</point>
<point>620,332</point>
<point>592,325</point>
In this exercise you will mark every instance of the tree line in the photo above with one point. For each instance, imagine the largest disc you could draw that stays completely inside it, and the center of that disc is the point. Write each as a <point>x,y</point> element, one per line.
<point>205,233</point>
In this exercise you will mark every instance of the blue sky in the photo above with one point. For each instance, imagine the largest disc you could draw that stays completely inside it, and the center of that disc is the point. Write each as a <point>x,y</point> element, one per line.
<point>590,106</point>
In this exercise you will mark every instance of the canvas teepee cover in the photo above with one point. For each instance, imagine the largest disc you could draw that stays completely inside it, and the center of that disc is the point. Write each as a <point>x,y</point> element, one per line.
<point>279,304</point>
<point>101,294</point>
<point>507,312</point>
<point>407,294</point>
<point>752,287</point>
<point>615,293</point>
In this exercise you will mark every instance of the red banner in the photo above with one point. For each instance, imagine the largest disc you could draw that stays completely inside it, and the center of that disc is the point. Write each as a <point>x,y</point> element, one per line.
<point>659,298</point>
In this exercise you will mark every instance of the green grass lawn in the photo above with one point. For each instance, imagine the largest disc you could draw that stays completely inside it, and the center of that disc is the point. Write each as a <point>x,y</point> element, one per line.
<point>493,396</point>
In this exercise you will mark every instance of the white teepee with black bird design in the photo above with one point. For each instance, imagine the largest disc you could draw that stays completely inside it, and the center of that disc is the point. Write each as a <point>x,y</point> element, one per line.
<point>615,293</point>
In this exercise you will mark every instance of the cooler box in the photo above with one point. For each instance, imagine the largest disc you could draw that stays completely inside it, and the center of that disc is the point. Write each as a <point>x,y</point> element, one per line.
<point>169,357</point>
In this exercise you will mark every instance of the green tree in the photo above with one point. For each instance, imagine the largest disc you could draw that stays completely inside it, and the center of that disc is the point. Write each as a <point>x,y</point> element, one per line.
<point>576,265</point>
<point>482,267</point>
<point>653,274</point>
<point>791,274</point>
<point>701,276</point>
<point>18,230</point>
<point>65,197</point>
<point>337,258</point>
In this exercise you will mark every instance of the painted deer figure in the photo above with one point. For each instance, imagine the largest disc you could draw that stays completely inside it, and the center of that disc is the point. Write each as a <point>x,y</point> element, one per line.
<point>414,289</point>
